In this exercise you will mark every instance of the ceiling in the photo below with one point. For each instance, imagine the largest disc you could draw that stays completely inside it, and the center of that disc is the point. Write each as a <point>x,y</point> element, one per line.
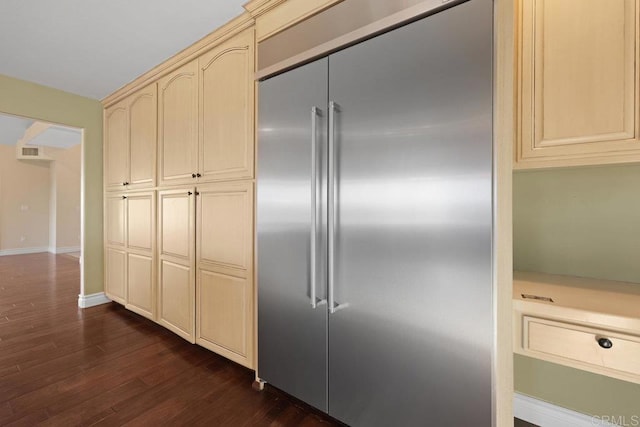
<point>58,137</point>
<point>12,128</point>
<point>93,47</point>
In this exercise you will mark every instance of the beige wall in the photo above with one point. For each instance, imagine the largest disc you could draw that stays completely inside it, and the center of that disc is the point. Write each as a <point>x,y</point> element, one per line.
<point>24,202</point>
<point>39,201</point>
<point>583,222</point>
<point>43,103</point>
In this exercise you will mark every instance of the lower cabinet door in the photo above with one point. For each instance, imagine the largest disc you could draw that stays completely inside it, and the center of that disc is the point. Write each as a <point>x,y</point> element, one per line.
<point>116,278</point>
<point>224,259</point>
<point>176,273</point>
<point>140,280</point>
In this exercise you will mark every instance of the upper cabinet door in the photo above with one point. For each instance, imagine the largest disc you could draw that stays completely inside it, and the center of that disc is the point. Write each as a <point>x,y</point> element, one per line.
<point>578,83</point>
<point>116,146</point>
<point>227,109</point>
<point>143,123</point>
<point>178,125</point>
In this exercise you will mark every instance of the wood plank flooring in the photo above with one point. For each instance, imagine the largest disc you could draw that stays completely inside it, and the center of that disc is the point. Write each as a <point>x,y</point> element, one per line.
<point>105,366</point>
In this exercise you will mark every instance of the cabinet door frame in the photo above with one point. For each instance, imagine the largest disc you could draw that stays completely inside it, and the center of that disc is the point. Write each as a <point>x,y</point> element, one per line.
<point>531,151</point>
<point>143,252</point>
<point>242,43</point>
<point>187,262</point>
<point>150,91</point>
<point>241,274</point>
<point>120,107</point>
<point>189,71</point>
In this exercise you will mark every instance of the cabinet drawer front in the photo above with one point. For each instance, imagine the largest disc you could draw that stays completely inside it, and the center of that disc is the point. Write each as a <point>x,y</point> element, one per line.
<point>580,344</point>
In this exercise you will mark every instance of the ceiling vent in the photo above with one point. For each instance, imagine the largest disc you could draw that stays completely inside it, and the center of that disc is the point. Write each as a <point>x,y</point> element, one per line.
<point>30,152</point>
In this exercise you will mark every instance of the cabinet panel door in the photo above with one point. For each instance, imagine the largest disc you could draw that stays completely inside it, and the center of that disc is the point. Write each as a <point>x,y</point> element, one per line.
<point>176,275</point>
<point>143,117</point>
<point>176,310</point>
<point>141,221</point>
<point>115,220</point>
<point>225,315</point>
<point>140,284</point>
<point>178,125</point>
<point>115,277</point>
<point>579,82</point>
<point>116,146</point>
<point>227,109</point>
<point>225,225</point>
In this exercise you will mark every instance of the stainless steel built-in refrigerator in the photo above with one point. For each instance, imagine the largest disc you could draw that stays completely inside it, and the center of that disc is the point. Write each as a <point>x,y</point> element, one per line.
<point>374,224</point>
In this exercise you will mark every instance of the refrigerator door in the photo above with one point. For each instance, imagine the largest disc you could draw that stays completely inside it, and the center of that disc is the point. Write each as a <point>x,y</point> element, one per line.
<point>292,334</point>
<point>410,342</point>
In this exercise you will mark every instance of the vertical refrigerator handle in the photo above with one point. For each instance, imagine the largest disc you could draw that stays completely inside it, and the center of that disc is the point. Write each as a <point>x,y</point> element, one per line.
<point>331,235</point>
<point>315,205</point>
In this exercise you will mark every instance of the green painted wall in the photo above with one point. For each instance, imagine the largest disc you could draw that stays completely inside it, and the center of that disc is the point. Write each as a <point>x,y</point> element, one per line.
<point>26,99</point>
<point>583,222</point>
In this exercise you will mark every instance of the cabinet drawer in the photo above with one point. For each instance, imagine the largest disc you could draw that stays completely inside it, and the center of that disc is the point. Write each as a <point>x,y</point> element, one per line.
<point>580,344</point>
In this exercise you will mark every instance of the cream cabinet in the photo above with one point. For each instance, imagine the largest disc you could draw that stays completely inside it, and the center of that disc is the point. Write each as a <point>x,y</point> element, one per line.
<point>578,83</point>
<point>205,275</point>
<point>130,252</point>
<point>206,116</point>
<point>178,125</point>
<point>176,273</point>
<point>227,110</point>
<point>584,323</point>
<point>224,266</point>
<point>141,238</point>
<point>130,141</point>
<point>182,255</point>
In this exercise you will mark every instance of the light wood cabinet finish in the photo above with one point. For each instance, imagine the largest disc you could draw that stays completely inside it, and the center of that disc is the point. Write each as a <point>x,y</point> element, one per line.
<point>274,16</point>
<point>224,282</point>
<point>130,253</point>
<point>116,143</point>
<point>176,274</point>
<point>130,141</point>
<point>178,125</point>
<point>115,220</point>
<point>116,274</point>
<point>141,242</point>
<point>141,290</point>
<point>226,109</point>
<point>143,124</point>
<point>561,318</point>
<point>579,83</point>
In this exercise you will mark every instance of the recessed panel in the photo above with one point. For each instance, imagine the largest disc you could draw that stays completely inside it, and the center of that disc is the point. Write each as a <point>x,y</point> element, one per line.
<point>223,311</point>
<point>225,228</point>
<point>115,220</point>
<point>175,235</point>
<point>143,119</point>
<point>227,131</point>
<point>140,280</point>
<point>140,222</point>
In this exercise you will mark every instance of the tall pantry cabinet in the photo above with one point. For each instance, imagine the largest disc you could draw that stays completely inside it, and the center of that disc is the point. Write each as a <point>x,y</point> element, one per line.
<point>203,285</point>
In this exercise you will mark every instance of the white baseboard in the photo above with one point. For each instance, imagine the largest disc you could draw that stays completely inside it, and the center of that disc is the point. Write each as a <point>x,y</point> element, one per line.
<point>86,301</point>
<point>23,251</point>
<point>545,414</point>
<point>65,250</point>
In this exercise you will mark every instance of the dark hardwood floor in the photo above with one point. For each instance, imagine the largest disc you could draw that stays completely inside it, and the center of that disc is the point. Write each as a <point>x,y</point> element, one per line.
<point>105,366</point>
